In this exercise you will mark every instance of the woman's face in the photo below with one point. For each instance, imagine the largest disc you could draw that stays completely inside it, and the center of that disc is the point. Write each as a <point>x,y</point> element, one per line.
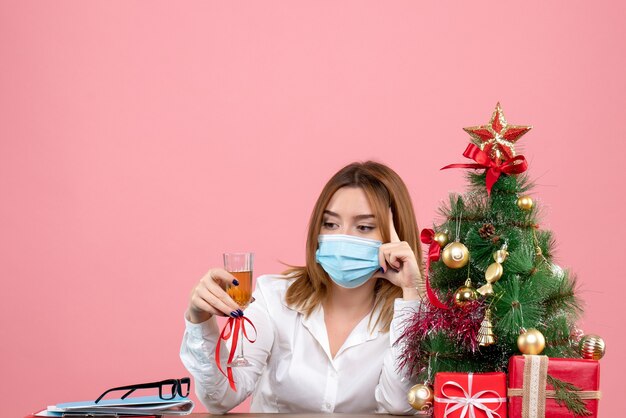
<point>349,213</point>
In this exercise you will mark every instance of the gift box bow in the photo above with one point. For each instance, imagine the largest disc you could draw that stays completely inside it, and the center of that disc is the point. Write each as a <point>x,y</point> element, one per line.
<point>468,403</point>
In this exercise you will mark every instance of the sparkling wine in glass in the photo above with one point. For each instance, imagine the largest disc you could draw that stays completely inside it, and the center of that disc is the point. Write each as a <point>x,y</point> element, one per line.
<point>240,266</point>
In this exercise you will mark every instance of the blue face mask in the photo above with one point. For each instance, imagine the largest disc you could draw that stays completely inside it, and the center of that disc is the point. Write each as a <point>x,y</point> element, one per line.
<point>349,261</point>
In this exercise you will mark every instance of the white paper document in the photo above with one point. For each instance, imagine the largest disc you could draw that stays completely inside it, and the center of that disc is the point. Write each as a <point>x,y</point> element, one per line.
<point>147,405</point>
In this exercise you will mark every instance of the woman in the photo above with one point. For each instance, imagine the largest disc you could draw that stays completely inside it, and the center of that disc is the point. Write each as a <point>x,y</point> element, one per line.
<point>326,331</point>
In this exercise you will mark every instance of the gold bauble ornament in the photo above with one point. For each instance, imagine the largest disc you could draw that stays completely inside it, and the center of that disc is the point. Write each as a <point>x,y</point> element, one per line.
<point>525,203</point>
<point>486,290</point>
<point>492,275</point>
<point>441,238</point>
<point>592,347</point>
<point>465,294</point>
<point>500,255</point>
<point>455,255</point>
<point>531,342</point>
<point>485,333</point>
<point>420,397</point>
<point>494,272</point>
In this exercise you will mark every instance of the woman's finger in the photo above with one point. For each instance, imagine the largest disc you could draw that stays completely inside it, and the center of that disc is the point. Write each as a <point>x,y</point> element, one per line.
<point>224,307</point>
<point>392,229</point>
<point>386,248</point>
<point>396,257</point>
<point>220,275</point>
<point>199,304</point>
<point>219,294</point>
<point>394,252</point>
<point>383,255</point>
<point>381,258</point>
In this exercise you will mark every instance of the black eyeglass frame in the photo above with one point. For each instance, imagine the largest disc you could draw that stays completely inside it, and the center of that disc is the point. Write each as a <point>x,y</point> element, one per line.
<point>178,385</point>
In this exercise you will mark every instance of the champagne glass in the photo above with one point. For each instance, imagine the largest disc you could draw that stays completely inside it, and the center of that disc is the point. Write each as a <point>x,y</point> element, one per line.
<point>240,266</point>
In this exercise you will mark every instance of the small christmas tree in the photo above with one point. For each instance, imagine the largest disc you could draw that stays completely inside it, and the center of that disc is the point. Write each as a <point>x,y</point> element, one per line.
<point>493,287</point>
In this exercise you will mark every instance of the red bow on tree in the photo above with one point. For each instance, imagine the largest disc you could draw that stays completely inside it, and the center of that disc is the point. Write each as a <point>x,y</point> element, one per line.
<point>426,236</point>
<point>494,168</point>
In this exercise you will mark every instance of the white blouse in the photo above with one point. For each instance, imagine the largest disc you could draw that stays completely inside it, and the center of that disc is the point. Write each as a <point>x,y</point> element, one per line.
<point>293,370</point>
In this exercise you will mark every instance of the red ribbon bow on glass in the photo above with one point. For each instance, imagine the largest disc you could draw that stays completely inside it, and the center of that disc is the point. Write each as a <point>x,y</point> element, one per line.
<point>232,327</point>
<point>494,168</point>
<point>426,236</point>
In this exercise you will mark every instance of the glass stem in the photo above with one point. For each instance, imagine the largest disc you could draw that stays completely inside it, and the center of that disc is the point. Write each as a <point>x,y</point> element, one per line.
<point>241,342</point>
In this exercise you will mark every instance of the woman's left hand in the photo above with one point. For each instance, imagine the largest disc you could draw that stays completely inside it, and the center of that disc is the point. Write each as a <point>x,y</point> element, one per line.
<point>400,265</point>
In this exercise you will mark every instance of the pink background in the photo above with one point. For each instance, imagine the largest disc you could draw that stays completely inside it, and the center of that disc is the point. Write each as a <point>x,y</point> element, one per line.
<point>140,140</point>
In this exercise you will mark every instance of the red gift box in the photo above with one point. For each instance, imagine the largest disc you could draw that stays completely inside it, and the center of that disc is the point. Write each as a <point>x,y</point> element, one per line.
<point>469,395</point>
<point>527,397</point>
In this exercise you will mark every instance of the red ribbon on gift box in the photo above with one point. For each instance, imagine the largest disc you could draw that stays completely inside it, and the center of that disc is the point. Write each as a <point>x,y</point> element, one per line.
<point>469,403</point>
<point>233,326</point>
<point>494,168</point>
<point>537,399</point>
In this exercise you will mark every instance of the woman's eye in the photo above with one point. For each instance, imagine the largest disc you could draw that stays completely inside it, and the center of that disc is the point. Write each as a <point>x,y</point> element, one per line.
<point>365,228</point>
<point>329,225</point>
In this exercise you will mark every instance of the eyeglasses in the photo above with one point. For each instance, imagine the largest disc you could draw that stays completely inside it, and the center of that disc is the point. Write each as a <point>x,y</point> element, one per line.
<point>168,389</point>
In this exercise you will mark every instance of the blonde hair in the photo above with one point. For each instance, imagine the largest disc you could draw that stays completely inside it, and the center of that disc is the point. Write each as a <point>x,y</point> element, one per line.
<point>384,189</point>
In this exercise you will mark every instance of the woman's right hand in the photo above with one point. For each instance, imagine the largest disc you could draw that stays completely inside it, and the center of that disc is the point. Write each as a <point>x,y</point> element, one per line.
<point>209,298</point>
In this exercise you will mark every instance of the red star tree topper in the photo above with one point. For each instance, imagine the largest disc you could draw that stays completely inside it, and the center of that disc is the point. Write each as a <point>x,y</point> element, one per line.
<point>498,138</point>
